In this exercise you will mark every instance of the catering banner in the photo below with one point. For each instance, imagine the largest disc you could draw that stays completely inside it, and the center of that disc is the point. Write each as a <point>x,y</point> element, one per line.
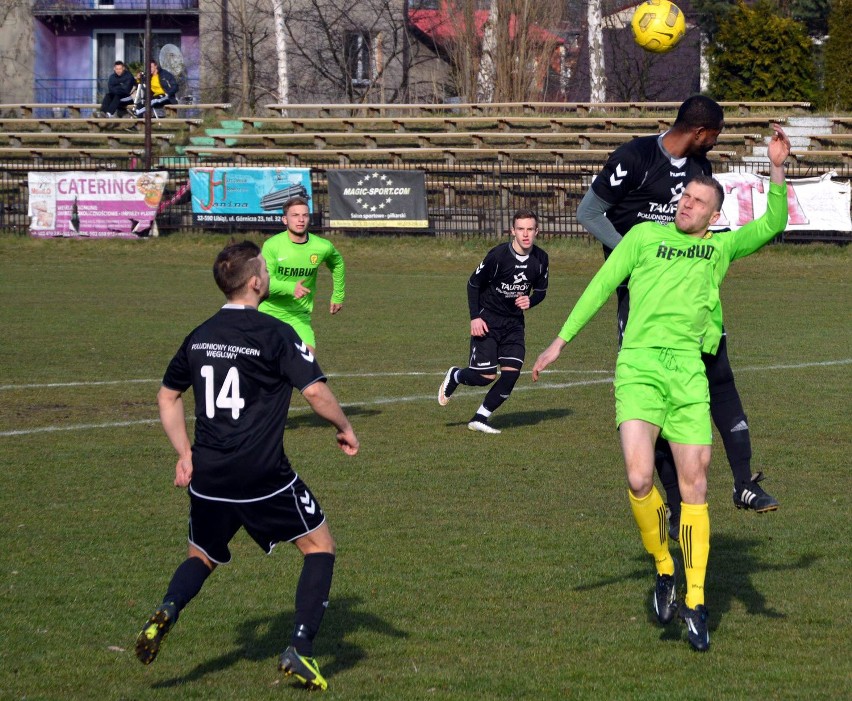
<point>815,204</point>
<point>248,198</point>
<point>100,204</point>
<point>377,199</point>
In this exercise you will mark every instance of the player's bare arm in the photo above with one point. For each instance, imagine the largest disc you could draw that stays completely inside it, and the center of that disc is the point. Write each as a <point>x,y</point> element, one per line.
<point>326,406</point>
<point>548,356</point>
<point>478,327</point>
<point>778,152</point>
<point>173,419</point>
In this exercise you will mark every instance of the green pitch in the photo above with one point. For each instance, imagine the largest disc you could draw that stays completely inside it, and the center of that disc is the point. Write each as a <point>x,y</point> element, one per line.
<point>469,566</point>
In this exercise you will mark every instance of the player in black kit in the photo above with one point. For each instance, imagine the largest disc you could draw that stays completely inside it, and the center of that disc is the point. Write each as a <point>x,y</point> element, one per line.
<point>242,366</point>
<point>643,181</point>
<point>511,279</point>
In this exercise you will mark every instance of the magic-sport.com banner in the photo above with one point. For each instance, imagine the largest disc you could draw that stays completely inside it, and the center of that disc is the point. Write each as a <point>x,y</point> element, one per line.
<point>377,199</point>
<point>248,198</point>
<point>102,204</point>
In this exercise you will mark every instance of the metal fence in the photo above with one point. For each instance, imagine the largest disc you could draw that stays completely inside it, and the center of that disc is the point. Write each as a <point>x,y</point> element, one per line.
<point>78,91</point>
<point>71,6</point>
<point>468,199</point>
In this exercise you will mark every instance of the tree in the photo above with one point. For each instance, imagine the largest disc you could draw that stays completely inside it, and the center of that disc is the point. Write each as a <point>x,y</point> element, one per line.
<point>597,74</point>
<point>838,57</point>
<point>812,13</point>
<point>350,50</point>
<point>511,42</point>
<point>281,51</point>
<point>759,55</point>
<point>238,54</point>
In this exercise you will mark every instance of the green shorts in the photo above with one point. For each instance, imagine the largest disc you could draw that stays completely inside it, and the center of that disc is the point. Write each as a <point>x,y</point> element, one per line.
<point>301,324</point>
<point>667,388</point>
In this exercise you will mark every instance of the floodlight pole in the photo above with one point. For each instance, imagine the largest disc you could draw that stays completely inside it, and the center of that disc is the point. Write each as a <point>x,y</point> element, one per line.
<point>147,73</point>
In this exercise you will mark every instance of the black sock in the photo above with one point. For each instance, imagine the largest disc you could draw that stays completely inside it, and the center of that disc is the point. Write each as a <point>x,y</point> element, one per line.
<point>311,600</point>
<point>186,582</point>
<point>728,414</point>
<point>664,462</point>
<point>501,390</point>
<point>472,378</point>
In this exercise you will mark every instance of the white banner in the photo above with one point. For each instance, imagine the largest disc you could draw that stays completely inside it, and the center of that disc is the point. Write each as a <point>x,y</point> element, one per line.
<point>815,204</point>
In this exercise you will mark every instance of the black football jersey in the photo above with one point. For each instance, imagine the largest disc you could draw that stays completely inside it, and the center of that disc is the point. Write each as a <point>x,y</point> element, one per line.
<point>644,183</point>
<point>242,366</point>
<point>501,277</point>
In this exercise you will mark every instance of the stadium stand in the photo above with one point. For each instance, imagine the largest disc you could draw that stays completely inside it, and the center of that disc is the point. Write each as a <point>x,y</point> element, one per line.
<point>373,109</point>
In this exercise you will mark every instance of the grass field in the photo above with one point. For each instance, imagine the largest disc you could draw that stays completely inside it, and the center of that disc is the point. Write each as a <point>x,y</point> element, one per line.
<point>469,566</point>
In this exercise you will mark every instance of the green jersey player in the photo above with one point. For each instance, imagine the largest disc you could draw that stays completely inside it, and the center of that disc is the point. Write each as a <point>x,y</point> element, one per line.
<point>293,258</point>
<point>660,383</point>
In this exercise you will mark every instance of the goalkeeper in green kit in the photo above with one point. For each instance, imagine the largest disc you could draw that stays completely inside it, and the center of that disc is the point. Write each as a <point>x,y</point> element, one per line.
<point>293,258</point>
<point>660,382</point>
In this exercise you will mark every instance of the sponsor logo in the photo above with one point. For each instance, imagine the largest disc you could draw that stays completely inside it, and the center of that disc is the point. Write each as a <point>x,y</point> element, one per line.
<point>309,504</point>
<point>284,271</point>
<point>694,251</point>
<point>305,351</point>
<point>618,176</point>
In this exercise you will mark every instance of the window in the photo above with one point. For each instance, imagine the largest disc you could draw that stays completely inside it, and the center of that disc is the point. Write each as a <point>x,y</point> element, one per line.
<point>358,63</point>
<point>127,46</point>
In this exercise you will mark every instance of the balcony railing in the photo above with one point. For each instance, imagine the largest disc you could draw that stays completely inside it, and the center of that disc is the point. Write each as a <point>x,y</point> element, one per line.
<point>107,6</point>
<point>81,91</point>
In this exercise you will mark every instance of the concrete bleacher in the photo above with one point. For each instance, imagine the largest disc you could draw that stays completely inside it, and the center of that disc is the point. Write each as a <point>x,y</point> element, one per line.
<point>398,133</point>
<point>74,139</point>
<point>526,107</point>
<point>421,154</point>
<point>27,109</point>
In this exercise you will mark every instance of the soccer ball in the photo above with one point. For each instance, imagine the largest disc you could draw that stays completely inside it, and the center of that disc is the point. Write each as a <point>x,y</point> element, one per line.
<point>658,25</point>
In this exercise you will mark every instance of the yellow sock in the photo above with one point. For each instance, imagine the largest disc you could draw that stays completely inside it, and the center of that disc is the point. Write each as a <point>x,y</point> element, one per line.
<point>695,546</point>
<point>650,515</point>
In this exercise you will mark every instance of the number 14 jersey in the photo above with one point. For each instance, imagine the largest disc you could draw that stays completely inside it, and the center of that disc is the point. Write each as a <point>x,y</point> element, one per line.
<point>242,366</point>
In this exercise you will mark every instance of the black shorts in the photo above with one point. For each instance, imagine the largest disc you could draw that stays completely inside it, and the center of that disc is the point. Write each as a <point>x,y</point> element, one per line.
<point>283,517</point>
<point>502,346</point>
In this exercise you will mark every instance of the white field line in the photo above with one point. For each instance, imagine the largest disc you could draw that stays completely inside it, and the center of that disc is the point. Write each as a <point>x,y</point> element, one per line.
<point>379,401</point>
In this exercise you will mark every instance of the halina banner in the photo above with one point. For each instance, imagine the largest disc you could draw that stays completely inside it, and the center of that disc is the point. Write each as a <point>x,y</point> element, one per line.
<point>248,198</point>
<point>377,199</point>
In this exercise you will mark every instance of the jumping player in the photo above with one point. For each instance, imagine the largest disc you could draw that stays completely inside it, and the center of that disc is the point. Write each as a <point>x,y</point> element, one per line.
<point>661,387</point>
<point>511,279</point>
<point>242,367</point>
<point>643,181</point>
<point>293,258</point>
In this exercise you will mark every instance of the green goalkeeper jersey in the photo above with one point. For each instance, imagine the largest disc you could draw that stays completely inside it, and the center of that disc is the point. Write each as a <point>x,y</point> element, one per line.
<point>289,263</point>
<point>674,280</point>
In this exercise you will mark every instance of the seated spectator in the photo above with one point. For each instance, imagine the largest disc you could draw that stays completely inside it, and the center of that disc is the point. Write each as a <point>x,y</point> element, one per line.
<point>164,87</point>
<point>119,88</point>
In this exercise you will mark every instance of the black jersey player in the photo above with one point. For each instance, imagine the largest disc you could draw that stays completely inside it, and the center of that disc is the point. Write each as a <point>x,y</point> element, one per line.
<point>511,279</point>
<point>643,181</point>
<point>242,366</point>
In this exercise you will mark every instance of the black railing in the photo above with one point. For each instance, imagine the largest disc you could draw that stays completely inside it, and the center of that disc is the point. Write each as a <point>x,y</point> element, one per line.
<point>75,6</point>
<point>471,199</point>
<point>70,91</point>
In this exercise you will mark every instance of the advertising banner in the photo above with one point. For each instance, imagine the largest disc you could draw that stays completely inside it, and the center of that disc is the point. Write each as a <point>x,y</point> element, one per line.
<point>248,198</point>
<point>377,199</point>
<point>815,204</point>
<point>101,204</point>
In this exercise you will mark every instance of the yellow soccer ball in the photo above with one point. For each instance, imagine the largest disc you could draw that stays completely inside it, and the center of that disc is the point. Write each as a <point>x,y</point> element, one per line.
<point>658,25</point>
